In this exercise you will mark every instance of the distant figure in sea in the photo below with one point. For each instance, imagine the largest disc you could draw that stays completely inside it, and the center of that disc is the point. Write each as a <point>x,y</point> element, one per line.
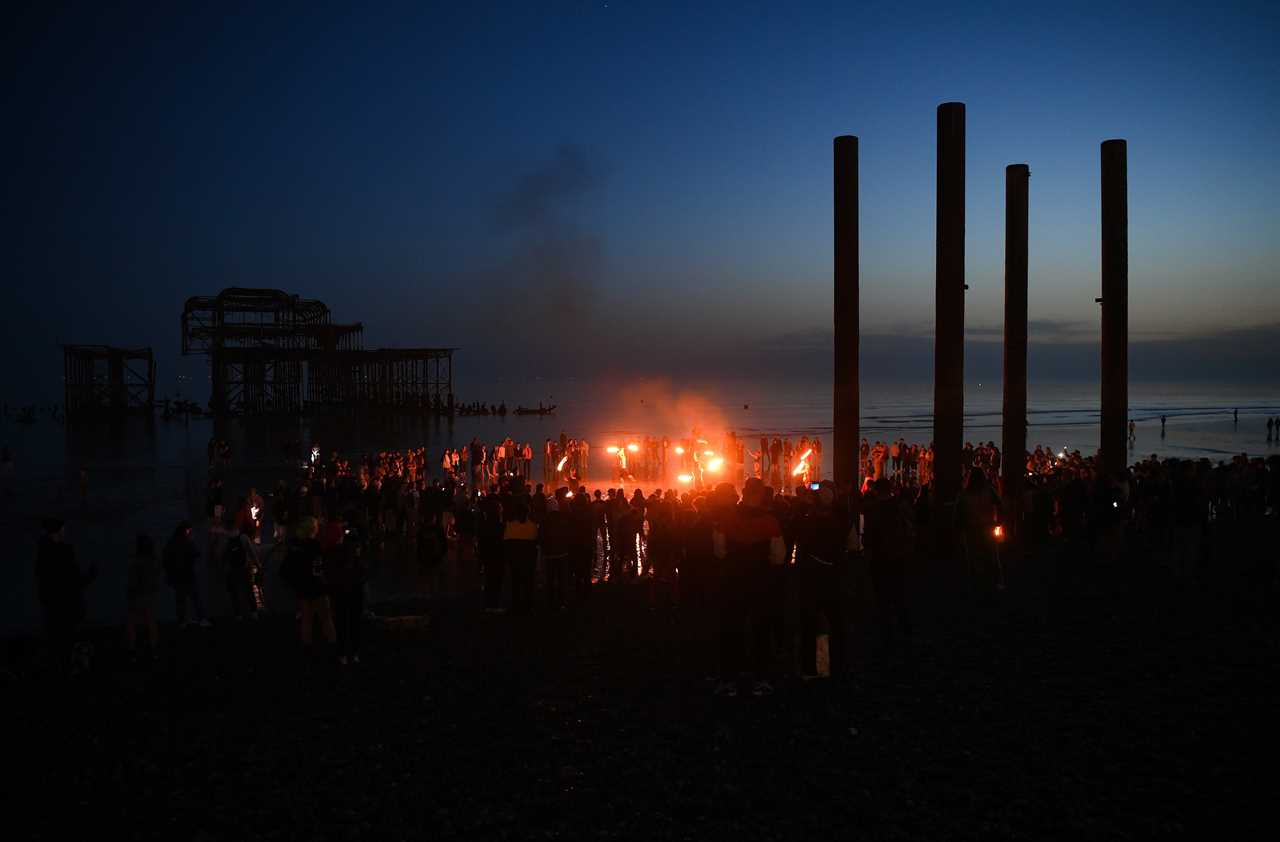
<point>1133,430</point>
<point>1162,419</point>
<point>1235,416</point>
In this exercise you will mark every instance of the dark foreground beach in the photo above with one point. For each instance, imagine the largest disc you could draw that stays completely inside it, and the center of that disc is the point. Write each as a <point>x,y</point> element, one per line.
<point>1083,702</point>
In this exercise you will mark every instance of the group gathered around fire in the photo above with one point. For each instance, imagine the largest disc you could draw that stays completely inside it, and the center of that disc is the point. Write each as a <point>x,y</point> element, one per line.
<point>735,527</point>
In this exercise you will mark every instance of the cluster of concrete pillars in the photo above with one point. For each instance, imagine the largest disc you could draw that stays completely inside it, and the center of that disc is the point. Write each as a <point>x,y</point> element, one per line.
<point>948,390</point>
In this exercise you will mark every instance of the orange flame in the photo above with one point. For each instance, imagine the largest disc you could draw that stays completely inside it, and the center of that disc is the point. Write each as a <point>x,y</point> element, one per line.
<point>560,464</point>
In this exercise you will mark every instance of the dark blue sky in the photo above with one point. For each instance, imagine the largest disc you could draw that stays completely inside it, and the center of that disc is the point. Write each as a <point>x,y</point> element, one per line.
<point>561,178</point>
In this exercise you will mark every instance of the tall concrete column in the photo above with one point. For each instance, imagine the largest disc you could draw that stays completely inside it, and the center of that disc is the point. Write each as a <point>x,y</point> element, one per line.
<point>948,349</point>
<point>846,403</point>
<point>1017,179</point>
<point>1115,305</point>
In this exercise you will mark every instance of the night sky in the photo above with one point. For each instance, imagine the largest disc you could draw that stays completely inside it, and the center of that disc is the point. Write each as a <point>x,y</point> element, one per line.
<point>600,187</point>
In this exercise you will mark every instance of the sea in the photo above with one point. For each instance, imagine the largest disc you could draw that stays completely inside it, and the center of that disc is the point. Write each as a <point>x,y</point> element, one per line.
<point>143,476</point>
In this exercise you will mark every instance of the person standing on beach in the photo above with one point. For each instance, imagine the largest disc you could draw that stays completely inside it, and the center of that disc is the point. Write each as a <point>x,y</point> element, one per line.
<point>520,550</point>
<point>303,570</point>
<point>180,556</point>
<point>489,533</point>
<point>143,585</point>
<point>556,540</point>
<point>346,572</point>
<point>240,560</point>
<point>750,546</point>
<point>61,585</point>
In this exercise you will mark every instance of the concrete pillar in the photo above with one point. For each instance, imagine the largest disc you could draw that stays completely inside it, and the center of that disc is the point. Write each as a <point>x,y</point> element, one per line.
<point>948,351</point>
<point>1017,178</point>
<point>1115,306</point>
<point>846,404</point>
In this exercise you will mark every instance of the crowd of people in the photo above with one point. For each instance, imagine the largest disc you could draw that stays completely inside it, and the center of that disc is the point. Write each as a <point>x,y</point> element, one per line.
<point>738,549</point>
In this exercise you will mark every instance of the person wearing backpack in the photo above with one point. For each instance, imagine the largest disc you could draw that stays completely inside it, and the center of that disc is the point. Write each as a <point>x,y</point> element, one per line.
<point>240,560</point>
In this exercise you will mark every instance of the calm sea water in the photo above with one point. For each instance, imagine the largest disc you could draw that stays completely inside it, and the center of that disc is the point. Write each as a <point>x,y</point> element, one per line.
<point>145,478</point>
<point>1061,415</point>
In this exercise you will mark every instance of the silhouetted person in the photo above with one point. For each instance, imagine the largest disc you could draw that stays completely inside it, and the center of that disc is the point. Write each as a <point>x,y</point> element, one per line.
<point>180,556</point>
<point>557,544</point>
<point>240,560</point>
<point>346,572</point>
<point>889,541</point>
<point>303,571</point>
<point>520,549</point>
<point>1162,420</point>
<point>142,586</point>
<point>489,533</point>
<point>61,585</point>
<point>822,569</point>
<point>751,545</point>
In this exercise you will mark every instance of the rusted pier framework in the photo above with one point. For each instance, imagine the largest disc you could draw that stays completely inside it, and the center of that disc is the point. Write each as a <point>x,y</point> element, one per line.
<point>101,380</point>
<point>272,352</point>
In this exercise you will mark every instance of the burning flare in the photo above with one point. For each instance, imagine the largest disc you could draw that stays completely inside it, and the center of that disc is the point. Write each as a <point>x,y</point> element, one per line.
<point>634,448</point>
<point>685,478</point>
<point>560,464</point>
<point>715,464</point>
